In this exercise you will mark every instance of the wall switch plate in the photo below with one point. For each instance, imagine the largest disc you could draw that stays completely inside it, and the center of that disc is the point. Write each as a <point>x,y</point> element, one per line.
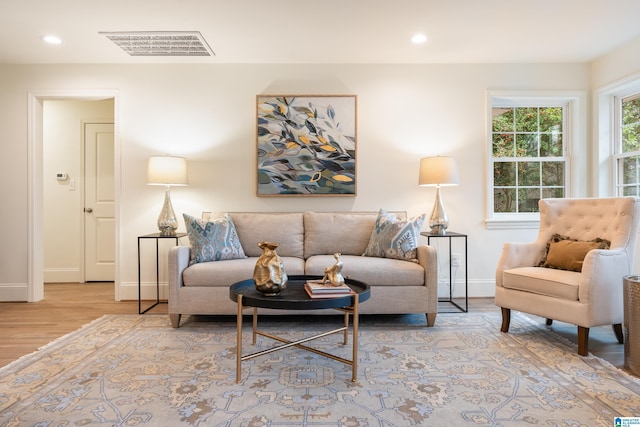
<point>455,260</point>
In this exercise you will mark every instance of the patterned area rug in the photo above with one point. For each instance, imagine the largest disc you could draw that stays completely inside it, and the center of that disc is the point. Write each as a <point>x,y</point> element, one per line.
<point>137,370</point>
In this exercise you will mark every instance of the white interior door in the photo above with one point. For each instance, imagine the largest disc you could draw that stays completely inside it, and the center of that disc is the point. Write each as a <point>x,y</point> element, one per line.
<point>99,203</point>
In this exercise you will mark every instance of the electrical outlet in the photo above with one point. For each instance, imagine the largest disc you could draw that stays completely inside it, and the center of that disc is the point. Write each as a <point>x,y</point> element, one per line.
<point>455,260</point>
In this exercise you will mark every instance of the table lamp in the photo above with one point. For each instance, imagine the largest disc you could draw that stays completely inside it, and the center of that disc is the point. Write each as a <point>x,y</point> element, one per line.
<point>438,171</point>
<point>168,171</point>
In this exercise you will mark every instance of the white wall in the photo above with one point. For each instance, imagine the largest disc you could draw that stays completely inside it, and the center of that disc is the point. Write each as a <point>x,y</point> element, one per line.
<point>63,200</point>
<point>207,113</point>
<point>616,65</point>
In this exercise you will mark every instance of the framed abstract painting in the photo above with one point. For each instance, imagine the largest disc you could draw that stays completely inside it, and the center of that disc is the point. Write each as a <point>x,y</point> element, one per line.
<point>306,145</point>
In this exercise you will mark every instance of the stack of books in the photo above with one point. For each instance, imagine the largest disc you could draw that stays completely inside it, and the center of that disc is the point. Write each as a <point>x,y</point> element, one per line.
<point>316,289</point>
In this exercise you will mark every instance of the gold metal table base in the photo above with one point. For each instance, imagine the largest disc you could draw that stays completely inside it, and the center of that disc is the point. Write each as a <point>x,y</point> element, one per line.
<point>353,311</point>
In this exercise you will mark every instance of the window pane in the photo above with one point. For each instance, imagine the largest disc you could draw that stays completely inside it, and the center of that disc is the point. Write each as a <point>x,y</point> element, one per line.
<point>630,191</point>
<point>630,111</point>
<point>551,119</point>
<point>552,192</point>
<point>528,199</point>
<point>551,145</point>
<point>502,119</point>
<point>630,125</point>
<point>526,119</point>
<point>630,170</point>
<point>553,173</point>
<point>526,145</point>
<point>631,138</point>
<point>504,200</point>
<point>503,145</point>
<point>529,174</point>
<point>504,174</point>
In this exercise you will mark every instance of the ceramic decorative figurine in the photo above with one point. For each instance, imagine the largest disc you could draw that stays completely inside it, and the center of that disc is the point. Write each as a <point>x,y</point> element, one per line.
<point>333,274</point>
<point>268,274</point>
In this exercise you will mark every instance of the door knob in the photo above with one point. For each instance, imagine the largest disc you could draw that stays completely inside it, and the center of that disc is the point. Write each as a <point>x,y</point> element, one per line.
<point>88,210</point>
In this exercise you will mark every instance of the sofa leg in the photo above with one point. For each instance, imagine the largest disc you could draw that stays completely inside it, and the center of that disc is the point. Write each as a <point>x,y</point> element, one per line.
<point>549,322</point>
<point>431,319</point>
<point>617,329</point>
<point>175,320</point>
<point>506,319</point>
<point>583,341</point>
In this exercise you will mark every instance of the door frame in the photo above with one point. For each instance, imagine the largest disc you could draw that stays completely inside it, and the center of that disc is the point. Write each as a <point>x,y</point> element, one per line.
<point>35,261</point>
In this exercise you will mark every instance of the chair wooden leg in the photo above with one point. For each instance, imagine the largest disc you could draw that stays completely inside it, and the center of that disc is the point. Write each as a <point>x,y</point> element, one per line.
<point>431,319</point>
<point>506,319</point>
<point>617,329</point>
<point>583,341</point>
<point>549,322</point>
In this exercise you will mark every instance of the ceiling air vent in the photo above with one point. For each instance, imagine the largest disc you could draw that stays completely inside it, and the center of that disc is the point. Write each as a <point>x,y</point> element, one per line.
<point>161,43</point>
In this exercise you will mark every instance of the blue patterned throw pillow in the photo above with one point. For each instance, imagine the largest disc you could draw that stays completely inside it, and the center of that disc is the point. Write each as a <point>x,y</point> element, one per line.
<point>213,240</point>
<point>394,238</point>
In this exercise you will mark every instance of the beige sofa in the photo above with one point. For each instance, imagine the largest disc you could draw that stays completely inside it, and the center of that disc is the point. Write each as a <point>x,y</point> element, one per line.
<point>307,242</point>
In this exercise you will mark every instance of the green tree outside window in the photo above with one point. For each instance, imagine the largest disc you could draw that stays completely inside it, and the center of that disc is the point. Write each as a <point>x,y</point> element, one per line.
<point>629,162</point>
<point>528,163</point>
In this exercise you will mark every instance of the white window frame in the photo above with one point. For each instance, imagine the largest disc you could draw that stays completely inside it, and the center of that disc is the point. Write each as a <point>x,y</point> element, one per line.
<point>605,176</point>
<point>574,103</point>
<point>617,137</point>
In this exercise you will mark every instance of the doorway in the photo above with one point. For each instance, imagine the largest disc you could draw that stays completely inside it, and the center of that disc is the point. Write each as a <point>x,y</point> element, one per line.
<point>37,152</point>
<point>78,197</point>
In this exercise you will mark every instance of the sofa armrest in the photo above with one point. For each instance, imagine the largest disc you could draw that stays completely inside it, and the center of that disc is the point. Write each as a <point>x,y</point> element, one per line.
<point>516,255</point>
<point>428,259</point>
<point>178,261</point>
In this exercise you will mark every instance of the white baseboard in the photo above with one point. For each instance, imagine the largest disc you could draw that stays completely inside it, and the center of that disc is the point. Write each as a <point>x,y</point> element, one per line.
<point>475,288</point>
<point>62,275</point>
<point>128,291</point>
<point>14,292</point>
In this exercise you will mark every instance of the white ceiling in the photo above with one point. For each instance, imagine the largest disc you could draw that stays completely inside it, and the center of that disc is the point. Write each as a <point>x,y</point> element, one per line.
<point>325,31</point>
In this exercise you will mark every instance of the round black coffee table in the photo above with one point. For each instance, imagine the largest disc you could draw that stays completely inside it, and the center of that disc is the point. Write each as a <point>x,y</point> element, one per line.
<point>294,297</point>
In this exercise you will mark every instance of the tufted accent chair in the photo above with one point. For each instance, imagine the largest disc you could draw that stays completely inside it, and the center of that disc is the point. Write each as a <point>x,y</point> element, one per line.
<point>592,297</point>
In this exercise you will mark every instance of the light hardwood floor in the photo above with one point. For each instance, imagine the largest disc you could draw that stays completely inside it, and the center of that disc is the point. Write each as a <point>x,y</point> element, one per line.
<point>25,327</point>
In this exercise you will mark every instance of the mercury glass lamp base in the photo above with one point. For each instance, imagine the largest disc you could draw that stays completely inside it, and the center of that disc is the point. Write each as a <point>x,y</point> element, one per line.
<point>167,222</point>
<point>438,221</point>
<point>438,230</point>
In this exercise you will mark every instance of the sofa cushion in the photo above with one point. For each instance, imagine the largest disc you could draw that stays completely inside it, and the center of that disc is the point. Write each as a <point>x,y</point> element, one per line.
<point>329,232</point>
<point>381,271</point>
<point>394,238</point>
<point>543,281</point>
<point>286,229</point>
<point>212,240</point>
<point>226,273</point>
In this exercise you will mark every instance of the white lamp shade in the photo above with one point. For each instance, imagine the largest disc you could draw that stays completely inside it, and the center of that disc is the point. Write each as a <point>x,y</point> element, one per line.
<point>167,170</point>
<point>438,170</point>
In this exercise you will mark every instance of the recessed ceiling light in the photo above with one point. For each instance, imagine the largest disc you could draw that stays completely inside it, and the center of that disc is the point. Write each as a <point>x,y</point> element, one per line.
<point>52,39</point>
<point>418,38</point>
